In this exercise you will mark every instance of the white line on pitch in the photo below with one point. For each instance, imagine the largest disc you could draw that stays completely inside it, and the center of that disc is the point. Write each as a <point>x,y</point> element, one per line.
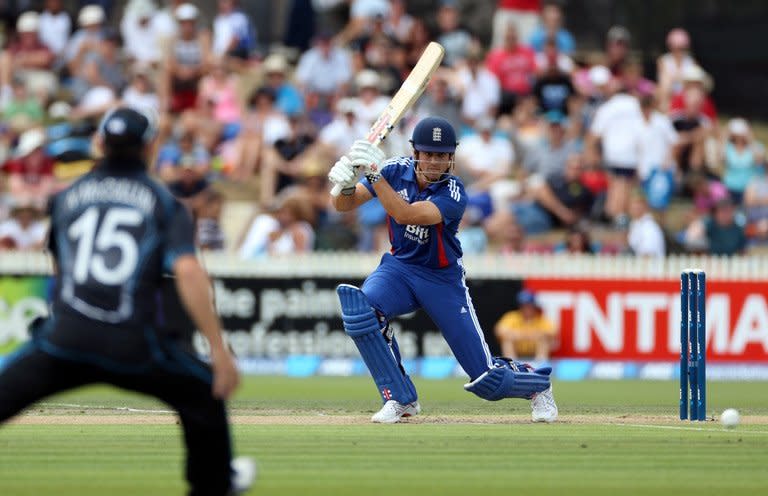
<point>685,428</point>
<point>104,407</point>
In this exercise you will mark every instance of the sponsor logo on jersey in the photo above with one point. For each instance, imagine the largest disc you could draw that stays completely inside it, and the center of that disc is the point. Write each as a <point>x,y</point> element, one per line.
<point>419,234</point>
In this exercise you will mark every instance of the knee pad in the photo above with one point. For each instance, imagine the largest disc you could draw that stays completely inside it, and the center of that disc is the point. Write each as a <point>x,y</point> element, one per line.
<point>510,379</point>
<point>362,324</point>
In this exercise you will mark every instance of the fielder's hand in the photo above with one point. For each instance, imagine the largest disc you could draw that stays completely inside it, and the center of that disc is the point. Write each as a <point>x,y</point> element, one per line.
<point>369,158</point>
<point>343,175</point>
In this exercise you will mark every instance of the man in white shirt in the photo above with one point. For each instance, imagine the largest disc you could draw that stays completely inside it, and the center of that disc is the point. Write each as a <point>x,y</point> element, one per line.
<point>338,136</point>
<point>370,103</point>
<point>657,139</point>
<point>617,126</point>
<point>233,32</point>
<point>324,69</point>
<point>140,41</point>
<point>645,237</point>
<point>24,230</point>
<point>55,26</point>
<point>484,159</point>
<point>479,88</point>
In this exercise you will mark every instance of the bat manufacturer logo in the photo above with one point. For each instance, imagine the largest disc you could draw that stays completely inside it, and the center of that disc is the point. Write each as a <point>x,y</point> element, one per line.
<point>437,134</point>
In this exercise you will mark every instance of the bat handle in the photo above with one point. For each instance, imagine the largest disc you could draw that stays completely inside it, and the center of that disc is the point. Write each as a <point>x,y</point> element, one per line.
<point>336,190</point>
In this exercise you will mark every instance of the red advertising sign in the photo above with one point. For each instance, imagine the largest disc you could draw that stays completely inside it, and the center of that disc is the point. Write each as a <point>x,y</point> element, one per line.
<point>624,319</point>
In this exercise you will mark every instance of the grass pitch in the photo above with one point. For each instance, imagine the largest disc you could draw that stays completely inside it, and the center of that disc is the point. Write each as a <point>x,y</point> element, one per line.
<point>312,437</point>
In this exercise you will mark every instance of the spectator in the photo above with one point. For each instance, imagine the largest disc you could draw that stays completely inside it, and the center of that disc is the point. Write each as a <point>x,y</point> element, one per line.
<point>645,237</point>
<point>743,158</point>
<point>550,155</point>
<point>284,163</point>
<point>207,216</point>
<point>98,95</point>
<point>617,42</point>
<point>695,79</point>
<point>439,100</point>
<point>185,152</point>
<point>370,102</point>
<point>506,234</point>
<point>562,199</point>
<point>28,51</point>
<point>484,158</point>
<point>637,85</point>
<point>553,88</point>
<point>420,37</point>
<point>337,137</point>
<point>142,44</point>
<point>185,62</point>
<point>694,128</point>
<point>526,332</point>
<point>720,233</point>
<point>165,24</point>
<point>617,125</point>
<point>399,23</point>
<point>191,181</point>
<point>55,26</point>
<point>219,89</point>
<point>524,13</point>
<point>86,42</point>
<point>472,235</point>
<point>707,192</point>
<point>24,230</point>
<point>657,140</point>
<point>577,242</point>
<point>323,72</point>
<point>285,230</point>
<point>515,66</point>
<point>478,88</point>
<point>671,67</point>
<point>551,27</point>
<point>289,99</point>
<point>361,15</point>
<point>30,172</point>
<point>453,37</point>
<point>233,33</point>
<point>756,207</point>
<point>141,93</point>
<point>21,110</point>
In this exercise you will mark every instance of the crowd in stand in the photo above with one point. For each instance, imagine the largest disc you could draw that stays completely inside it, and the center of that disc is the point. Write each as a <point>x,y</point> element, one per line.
<point>552,138</point>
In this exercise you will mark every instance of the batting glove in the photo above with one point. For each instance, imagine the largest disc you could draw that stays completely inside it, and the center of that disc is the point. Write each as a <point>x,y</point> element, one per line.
<point>369,158</point>
<point>344,174</point>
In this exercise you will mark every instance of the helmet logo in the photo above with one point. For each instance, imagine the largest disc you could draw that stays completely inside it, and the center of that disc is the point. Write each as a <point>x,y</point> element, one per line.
<point>116,126</point>
<point>437,134</point>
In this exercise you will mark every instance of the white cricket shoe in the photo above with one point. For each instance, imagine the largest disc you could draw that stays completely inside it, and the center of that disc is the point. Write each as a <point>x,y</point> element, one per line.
<point>243,474</point>
<point>543,406</point>
<point>392,412</point>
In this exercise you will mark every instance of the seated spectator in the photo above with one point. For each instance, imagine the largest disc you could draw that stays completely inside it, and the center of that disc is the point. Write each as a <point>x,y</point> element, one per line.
<point>756,207</point>
<point>323,72</point>
<point>32,60</point>
<point>637,85</point>
<point>505,234</point>
<point>577,242</point>
<point>526,14</point>
<point>186,61</point>
<point>337,137</point>
<point>361,15</point>
<point>478,88</point>
<point>707,192</point>
<point>219,88</point>
<point>55,26</point>
<point>645,237</point>
<point>526,332</point>
<point>98,97</point>
<point>140,93</point>
<point>563,199</point>
<point>420,37</point>
<point>439,100</point>
<point>551,27</point>
<point>370,102</point>
<point>671,66</point>
<point>207,216</point>
<point>549,155</point>
<point>553,87</point>
<point>743,158</point>
<point>617,43</point>
<point>452,36</point>
<point>718,234</point>
<point>484,158</point>
<point>234,35</point>
<point>515,66</point>
<point>142,44</point>
<point>24,230</point>
<point>86,42</point>
<point>22,111</point>
<point>694,127</point>
<point>283,163</point>
<point>30,172</point>
<point>398,23</point>
<point>286,229</point>
<point>695,78</point>
<point>289,99</point>
<point>185,156</point>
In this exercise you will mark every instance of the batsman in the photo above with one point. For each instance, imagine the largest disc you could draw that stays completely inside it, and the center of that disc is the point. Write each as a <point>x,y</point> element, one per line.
<point>424,202</point>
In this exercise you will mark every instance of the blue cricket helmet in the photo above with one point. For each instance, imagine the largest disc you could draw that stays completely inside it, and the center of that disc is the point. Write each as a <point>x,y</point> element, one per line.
<point>434,134</point>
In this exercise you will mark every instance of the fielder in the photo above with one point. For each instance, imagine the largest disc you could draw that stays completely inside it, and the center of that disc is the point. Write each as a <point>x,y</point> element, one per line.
<point>114,234</point>
<point>424,202</point>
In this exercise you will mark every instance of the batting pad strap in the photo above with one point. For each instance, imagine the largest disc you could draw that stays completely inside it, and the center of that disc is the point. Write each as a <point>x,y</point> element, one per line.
<point>502,382</point>
<point>362,325</point>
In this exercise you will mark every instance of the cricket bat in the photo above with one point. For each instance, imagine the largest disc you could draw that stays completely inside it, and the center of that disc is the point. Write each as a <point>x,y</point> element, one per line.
<point>410,91</point>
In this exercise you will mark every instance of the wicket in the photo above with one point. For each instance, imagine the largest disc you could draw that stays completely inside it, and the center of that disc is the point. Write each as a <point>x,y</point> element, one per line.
<point>693,345</point>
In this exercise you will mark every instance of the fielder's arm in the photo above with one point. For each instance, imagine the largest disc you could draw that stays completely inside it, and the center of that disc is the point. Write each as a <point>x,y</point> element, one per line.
<point>420,213</point>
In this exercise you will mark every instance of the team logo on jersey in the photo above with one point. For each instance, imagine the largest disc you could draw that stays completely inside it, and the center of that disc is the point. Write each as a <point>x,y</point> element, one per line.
<point>437,134</point>
<point>404,195</point>
<point>419,234</point>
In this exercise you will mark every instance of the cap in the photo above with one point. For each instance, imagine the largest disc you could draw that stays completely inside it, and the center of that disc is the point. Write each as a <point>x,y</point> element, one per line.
<point>619,33</point>
<point>186,12</point>
<point>128,127</point>
<point>30,141</point>
<point>526,297</point>
<point>695,74</point>
<point>90,15</point>
<point>678,38</point>
<point>275,63</point>
<point>346,106</point>
<point>738,127</point>
<point>434,134</point>
<point>28,22</point>
<point>367,79</point>
<point>599,75</point>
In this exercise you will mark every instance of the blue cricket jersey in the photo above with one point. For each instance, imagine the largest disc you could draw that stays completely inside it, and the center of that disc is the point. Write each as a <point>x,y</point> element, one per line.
<point>435,246</point>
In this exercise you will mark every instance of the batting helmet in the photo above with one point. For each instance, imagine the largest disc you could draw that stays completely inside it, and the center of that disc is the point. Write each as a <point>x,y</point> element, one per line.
<point>127,128</point>
<point>434,134</point>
